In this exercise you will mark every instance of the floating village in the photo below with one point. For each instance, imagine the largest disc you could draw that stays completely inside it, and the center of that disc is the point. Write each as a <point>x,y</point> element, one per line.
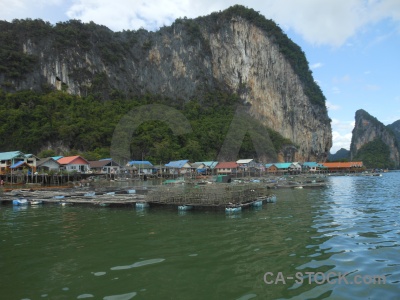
<point>182,185</point>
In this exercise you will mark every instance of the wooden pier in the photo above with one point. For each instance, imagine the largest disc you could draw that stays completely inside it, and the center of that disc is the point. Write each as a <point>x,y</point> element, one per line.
<point>126,197</point>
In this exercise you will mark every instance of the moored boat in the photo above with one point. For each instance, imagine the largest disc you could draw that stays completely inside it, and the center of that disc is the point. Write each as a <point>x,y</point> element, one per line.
<point>233,209</point>
<point>142,205</point>
<point>35,202</point>
<point>257,203</point>
<point>185,207</point>
<point>270,199</point>
<point>90,194</point>
<point>20,202</point>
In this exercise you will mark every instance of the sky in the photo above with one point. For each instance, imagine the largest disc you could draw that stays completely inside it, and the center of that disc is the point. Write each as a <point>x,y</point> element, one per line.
<point>352,46</point>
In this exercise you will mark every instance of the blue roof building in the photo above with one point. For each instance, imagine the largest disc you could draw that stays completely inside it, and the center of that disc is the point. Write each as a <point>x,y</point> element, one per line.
<point>210,164</point>
<point>16,165</point>
<point>144,163</point>
<point>141,166</point>
<point>8,159</point>
<point>11,155</point>
<point>179,166</point>
<point>282,166</point>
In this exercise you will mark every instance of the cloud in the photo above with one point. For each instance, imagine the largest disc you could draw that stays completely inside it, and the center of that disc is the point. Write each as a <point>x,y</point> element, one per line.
<point>328,22</point>
<point>391,119</point>
<point>343,79</point>
<point>341,134</point>
<point>331,22</point>
<point>342,125</point>
<point>335,90</point>
<point>331,106</point>
<point>372,87</point>
<point>126,14</point>
<point>340,140</point>
<point>52,11</point>
<point>386,9</point>
<point>316,66</point>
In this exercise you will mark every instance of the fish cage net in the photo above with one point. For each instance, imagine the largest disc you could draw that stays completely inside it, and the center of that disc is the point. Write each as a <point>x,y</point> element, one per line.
<point>216,194</point>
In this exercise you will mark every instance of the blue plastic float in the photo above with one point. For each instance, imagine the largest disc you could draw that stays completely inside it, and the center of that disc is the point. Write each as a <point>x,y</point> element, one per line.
<point>185,207</point>
<point>20,202</point>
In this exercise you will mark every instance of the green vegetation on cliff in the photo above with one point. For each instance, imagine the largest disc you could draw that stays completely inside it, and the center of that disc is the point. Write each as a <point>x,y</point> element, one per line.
<point>14,63</point>
<point>340,155</point>
<point>395,128</point>
<point>375,154</point>
<point>31,121</point>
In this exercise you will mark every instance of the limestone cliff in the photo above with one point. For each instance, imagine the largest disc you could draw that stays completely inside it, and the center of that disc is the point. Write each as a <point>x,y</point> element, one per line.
<point>395,127</point>
<point>368,130</point>
<point>231,50</point>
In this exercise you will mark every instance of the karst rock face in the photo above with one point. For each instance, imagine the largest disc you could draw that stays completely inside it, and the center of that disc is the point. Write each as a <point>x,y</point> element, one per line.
<point>367,129</point>
<point>224,50</point>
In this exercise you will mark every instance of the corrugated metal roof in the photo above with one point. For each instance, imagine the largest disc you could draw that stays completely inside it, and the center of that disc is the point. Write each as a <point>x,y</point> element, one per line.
<point>145,163</point>
<point>282,165</point>
<point>210,164</point>
<point>268,165</point>
<point>177,163</point>
<point>57,157</point>
<point>227,165</point>
<point>18,164</point>
<point>313,164</point>
<point>98,163</point>
<point>11,155</point>
<point>344,164</point>
<point>45,160</point>
<point>198,165</point>
<point>244,161</point>
<point>69,159</point>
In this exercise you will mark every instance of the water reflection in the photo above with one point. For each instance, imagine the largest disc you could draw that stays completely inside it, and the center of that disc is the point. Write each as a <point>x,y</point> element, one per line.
<point>358,227</point>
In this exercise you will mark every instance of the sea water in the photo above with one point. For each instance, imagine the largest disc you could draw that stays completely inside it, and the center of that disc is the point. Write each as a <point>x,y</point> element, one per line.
<point>337,242</point>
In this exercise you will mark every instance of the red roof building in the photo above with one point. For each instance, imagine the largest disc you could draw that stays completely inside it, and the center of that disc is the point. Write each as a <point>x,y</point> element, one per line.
<point>228,167</point>
<point>344,167</point>
<point>74,164</point>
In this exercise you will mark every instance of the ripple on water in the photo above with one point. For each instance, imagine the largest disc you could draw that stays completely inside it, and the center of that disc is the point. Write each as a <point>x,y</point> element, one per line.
<point>139,264</point>
<point>247,297</point>
<point>121,297</point>
<point>352,226</point>
<point>83,296</point>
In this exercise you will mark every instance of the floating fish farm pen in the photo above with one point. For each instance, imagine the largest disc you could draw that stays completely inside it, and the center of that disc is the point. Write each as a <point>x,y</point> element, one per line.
<point>213,196</point>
